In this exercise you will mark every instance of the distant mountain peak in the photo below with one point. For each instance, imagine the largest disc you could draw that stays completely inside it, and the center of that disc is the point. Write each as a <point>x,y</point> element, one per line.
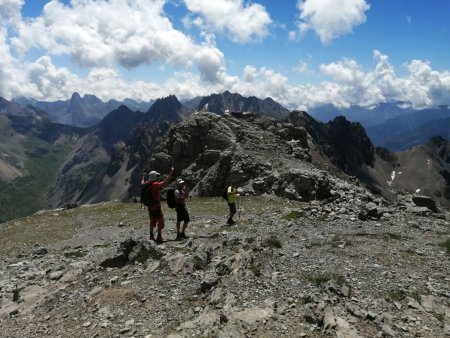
<point>75,97</point>
<point>166,109</point>
<point>233,102</point>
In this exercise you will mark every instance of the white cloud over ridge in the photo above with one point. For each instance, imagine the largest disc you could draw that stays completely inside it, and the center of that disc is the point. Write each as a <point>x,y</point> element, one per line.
<point>243,23</point>
<point>330,19</point>
<point>134,33</point>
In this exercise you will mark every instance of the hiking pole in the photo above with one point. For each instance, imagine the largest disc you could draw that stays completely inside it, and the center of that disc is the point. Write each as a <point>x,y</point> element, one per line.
<point>239,208</point>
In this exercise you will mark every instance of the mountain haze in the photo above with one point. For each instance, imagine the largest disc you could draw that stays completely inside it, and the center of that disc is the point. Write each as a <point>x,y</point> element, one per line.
<point>83,111</point>
<point>419,135</point>
<point>392,130</point>
<point>366,116</point>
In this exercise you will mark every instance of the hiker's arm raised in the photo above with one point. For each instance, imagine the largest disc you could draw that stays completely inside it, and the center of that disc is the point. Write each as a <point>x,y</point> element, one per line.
<point>167,179</point>
<point>144,177</point>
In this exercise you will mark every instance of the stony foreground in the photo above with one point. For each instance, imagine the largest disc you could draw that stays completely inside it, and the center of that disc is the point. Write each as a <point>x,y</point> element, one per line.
<point>286,269</point>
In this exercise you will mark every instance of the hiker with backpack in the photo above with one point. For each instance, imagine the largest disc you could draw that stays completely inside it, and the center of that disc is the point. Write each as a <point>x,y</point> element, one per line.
<point>151,197</point>
<point>231,197</point>
<point>181,194</point>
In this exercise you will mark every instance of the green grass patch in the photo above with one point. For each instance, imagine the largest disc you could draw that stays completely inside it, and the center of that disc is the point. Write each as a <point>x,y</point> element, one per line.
<point>293,215</point>
<point>397,295</point>
<point>182,249</point>
<point>446,245</point>
<point>340,280</point>
<point>255,269</point>
<point>198,263</point>
<point>274,242</point>
<point>103,245</point>
<point>320,278</point>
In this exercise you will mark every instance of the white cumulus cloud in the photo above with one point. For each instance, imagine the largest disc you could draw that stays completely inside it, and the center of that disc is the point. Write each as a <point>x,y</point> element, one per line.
<point>242,22</point>
<point>95,33</point>
<point>99,35</point>
<point>330,19</point>
<point>210,63</point>
<point>10,10</point>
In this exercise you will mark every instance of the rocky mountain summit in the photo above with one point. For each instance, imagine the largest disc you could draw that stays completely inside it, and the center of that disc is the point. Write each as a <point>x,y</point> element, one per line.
<point>232,102</point>
<point>297,158</point>
<point>288,268</point>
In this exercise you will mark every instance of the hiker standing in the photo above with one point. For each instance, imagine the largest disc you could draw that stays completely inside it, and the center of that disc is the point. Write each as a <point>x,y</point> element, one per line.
<point>181,194</point>
<point>154,209</point>
<point>232,199</point>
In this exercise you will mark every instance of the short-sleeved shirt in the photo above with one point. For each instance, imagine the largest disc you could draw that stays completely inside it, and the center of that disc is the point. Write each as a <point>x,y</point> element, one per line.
<point>231,195</point>
<point>156,195</point>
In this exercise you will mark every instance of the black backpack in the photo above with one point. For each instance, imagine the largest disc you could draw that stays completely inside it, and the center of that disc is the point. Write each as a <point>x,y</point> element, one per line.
<point>171,203</point>
<point>225,194</point>
<point>146,194</point>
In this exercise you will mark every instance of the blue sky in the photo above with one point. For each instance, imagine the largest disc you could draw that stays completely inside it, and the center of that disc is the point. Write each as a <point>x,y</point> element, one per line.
<point>301,53</point>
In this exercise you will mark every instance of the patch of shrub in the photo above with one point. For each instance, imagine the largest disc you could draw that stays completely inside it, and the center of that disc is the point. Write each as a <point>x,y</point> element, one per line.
<point>320,279</point>
<point>446,245</point>
<point>274,242</point>
<point>397,295</point>
<point>255,269</point>
<point>74,254</point>
<point>293,215</point>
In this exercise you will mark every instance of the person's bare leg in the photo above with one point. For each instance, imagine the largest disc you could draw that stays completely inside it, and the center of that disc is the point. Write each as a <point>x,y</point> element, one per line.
<point>152,226</point>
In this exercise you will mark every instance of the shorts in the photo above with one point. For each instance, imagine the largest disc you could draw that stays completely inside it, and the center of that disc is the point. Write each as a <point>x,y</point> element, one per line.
<point>155,214</point>
<point>182,213</point>
<point>232,207</point>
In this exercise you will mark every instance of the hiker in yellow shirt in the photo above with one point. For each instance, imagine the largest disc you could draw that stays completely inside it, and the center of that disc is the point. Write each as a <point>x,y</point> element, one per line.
<point>232,199</point>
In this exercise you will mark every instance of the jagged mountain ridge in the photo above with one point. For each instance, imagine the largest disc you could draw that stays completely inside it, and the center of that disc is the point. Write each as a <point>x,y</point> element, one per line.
<point>232,102</point>
<point>393,125</point>
<point>107,162</point>
<point>103,164</point>
<point>16,109</point>
<point>299,158</point>
<point>83,111</point>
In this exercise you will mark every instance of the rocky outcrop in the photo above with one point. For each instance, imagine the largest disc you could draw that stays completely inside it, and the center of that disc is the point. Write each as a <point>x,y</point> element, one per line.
<point>262,155</point>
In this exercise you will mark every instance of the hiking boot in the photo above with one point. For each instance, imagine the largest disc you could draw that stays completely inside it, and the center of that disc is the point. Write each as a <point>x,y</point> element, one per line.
<point>179,238</point>
<point>152,238</point>
<point>159,239</point>
<point>183,236</point>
